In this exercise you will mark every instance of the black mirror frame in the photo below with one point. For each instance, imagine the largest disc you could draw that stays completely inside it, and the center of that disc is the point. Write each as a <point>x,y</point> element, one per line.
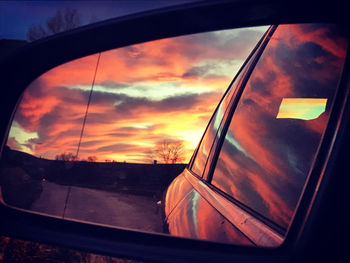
<point>20,68</point>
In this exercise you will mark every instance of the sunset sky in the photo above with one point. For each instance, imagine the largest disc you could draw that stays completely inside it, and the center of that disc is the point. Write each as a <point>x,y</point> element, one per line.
<point>143,94</point>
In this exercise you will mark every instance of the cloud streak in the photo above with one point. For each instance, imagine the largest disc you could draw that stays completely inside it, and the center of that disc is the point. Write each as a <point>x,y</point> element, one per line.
<point>143,94</point>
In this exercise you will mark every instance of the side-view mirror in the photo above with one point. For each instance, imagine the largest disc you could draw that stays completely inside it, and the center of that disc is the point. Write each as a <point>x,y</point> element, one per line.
<point>102,134</point>
<point>100,138</point>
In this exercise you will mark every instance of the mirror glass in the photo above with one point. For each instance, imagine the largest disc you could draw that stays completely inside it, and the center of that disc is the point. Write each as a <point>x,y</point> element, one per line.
<point>99,139</point>
<point>116,138</point>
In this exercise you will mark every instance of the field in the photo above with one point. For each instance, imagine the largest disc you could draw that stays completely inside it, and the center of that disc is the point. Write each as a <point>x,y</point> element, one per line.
<point>42,185</point>
<point>25,174</point>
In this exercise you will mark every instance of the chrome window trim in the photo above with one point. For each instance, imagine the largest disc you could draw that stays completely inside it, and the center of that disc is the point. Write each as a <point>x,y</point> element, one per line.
<point>255,230</point>
<point>249,63</point>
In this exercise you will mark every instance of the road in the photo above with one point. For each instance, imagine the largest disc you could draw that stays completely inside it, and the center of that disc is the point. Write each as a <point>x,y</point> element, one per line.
<point>114,209</point>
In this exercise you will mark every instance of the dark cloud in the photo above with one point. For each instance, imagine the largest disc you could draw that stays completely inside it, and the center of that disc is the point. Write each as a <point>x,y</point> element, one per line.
<point>142,133</point>
<point>117,148</point>
<point>134,130</point>
<point>91,143</point>
<point>176,103</point>
<point>105,98</point>
<point>248,102</point>
<point>23,121</point>
<point>97,118</point>
<point>119,134</point>
<point>36,88</point>
<point>132,52</point>
<point>72,96</point>
<point>34,102</point>
<point>113,84</point>
<point>54,116</point>
<point>199,71</point>
<point>306,69</point>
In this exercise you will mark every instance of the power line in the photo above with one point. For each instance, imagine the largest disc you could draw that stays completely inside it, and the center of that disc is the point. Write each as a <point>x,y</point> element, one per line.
<point>87,106</point>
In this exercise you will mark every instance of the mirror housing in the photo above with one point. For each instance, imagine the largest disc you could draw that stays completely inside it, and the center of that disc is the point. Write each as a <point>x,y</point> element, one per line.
<point>29,62</point>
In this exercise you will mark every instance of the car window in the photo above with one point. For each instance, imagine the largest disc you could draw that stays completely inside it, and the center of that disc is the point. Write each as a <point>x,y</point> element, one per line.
<point>214,128</point>
<point>278,124</point>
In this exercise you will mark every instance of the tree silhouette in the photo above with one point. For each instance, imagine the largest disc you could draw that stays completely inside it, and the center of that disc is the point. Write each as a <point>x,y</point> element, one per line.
<point>64,19</point>
<point>169,152</point>
<point>92,159</point>
<point>67,157</point>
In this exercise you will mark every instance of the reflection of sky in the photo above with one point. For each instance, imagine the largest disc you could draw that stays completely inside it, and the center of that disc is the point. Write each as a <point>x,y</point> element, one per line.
<point>230,139</point>
<point>188,214</point>
<point>154,90</point>
<point>213,128</point>
<point>265,164</point>
<point>21,135</point>
<point>194,210</point>
<point>143,94</point>
<point>218,117</point>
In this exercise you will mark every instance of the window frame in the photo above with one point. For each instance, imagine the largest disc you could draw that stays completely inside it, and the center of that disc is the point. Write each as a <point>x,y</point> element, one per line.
<point>236,99</point>
<point>250,63</point>
<point>244,69</point>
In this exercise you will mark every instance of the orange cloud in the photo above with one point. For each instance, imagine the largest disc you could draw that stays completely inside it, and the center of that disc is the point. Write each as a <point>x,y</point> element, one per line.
<point>143,94</point>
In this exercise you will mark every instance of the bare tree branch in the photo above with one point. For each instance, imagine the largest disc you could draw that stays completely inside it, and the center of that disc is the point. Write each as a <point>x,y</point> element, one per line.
<point>92,159</point>
<point>64,19</point>
<point>67,157</point>
<point>170,152</point>
<point>36,32</point>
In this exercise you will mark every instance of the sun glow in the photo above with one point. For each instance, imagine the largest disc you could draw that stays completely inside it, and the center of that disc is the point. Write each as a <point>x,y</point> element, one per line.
<point>164,90</point>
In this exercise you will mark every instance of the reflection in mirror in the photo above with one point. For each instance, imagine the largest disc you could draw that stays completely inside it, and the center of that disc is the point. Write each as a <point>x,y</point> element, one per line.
<point>264,161</point>
<point>106,138</point>
<point>100,138</point>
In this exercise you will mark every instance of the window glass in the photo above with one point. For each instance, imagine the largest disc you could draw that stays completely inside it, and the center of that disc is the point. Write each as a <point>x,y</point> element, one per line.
<point>278,124</point>
<point>209,136</point>
<point>214,129</point>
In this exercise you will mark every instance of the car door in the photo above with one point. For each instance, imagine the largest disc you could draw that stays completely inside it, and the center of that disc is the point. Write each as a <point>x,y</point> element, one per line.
<point>256,173</point>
